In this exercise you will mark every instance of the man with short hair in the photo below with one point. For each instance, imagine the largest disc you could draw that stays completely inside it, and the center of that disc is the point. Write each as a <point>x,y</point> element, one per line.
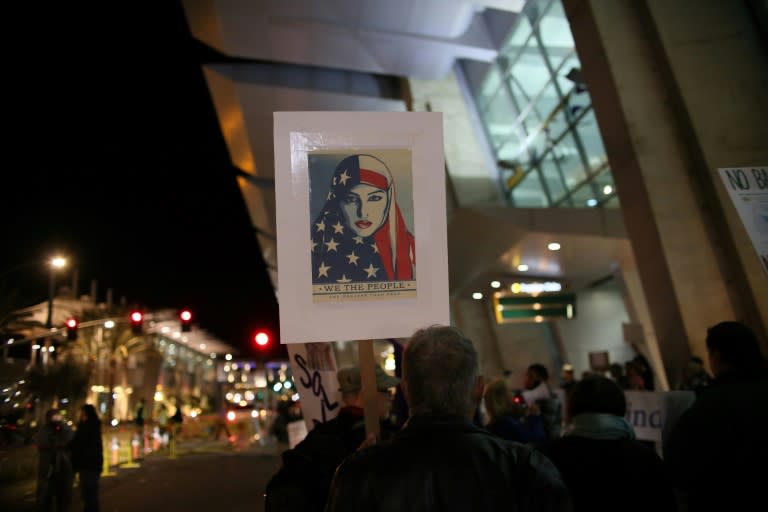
<point>440,460</point>
<point>695,377</point>
<point>304,478</point>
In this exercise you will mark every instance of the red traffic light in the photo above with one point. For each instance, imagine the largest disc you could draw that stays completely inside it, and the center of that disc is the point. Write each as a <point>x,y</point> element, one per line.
<point>71,324</point>
<point>261,339</point>
<point>137,322</point>
<point>185,316</point>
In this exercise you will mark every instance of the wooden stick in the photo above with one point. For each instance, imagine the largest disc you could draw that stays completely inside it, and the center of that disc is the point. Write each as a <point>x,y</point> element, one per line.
<point>368,377</point>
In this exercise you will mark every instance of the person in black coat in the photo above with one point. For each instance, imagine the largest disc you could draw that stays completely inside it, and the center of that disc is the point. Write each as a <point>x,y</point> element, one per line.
<point>716,451</point>
<point>604,467</point>
<point>441,461</point>
<point>88,456</point>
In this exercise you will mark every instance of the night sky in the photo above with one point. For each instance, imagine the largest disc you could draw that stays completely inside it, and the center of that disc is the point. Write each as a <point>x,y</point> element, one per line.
<point>114,156</point>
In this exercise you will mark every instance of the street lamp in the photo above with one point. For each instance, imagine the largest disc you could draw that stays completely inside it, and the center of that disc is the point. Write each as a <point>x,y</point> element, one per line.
<point>56,263</point>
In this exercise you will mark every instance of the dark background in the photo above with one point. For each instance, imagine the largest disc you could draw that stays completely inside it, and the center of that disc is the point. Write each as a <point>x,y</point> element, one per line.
<point>114,157</point>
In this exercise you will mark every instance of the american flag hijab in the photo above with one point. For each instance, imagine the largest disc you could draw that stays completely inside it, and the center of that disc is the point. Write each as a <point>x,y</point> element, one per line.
<point>339,254</point>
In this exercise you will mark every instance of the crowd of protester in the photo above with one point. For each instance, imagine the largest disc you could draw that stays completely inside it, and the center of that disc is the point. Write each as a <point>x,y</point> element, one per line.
<point>472,444</point>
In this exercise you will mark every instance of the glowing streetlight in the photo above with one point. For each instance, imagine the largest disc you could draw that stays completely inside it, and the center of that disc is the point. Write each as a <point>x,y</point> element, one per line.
<point>57,262</point>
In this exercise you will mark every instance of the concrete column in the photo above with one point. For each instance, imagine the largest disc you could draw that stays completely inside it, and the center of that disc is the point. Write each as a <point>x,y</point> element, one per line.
<point>637,310</point>
<point>472,318</point>
<point>673,106</point>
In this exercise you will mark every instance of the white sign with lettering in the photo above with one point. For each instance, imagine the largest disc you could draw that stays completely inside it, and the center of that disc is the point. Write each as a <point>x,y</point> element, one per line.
<point>314,373</point>
<point>748,189</point>
<point>653,413</point>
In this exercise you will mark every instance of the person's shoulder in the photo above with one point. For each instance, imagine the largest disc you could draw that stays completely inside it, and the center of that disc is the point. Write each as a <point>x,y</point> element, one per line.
<point>369,458</point>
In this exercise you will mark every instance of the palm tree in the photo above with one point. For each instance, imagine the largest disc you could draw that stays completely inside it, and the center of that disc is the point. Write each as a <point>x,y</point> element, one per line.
<point>115,345</point>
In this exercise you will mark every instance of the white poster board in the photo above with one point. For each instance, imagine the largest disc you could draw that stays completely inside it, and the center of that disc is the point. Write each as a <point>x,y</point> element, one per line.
<point>361,224</point>
<point>748,189</point>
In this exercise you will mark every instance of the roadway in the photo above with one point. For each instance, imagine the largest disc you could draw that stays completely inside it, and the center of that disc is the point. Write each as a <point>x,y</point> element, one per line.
<point>203,475</point>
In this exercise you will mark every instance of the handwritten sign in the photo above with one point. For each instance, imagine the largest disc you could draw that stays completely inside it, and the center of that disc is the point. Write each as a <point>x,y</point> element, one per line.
<point>748,189</point>
<point>314,373</point>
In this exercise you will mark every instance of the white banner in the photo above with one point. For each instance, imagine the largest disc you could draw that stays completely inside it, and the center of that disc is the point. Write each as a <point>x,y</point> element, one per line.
<point>748,188</point>
<point>653,413</point>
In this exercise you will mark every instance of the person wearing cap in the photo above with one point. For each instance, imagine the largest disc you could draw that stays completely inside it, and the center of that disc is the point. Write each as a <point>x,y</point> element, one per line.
<point>306,472</point>
<point>440,460</point>
<point>568,378</point>
<point>350,387</point>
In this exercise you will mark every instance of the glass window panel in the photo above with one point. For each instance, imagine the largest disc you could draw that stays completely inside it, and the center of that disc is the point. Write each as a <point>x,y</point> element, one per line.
<point>556,34</point>
<point>529,194</point>
<point>557,125</point>
<point>519,36</point>
<point>521,97</point>
<point>538,145</point>
<point>547,102</point>
<point>591,140</point>
<point>584,197</point>
<point>511,151</point>
<point>499,118</point>
<point>604,182</point>
<point>552,177</point>
<point>490,85</point>
<point>530,72</point>
<point>569,159</point>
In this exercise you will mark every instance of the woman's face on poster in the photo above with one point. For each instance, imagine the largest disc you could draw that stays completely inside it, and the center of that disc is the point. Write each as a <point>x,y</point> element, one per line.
<point>365,209</point>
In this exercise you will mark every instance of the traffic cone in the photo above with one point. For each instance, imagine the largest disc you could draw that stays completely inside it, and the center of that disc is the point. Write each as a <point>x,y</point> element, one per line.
<point>156,439</point>
<point>133,449</point>
<point>115,448</point>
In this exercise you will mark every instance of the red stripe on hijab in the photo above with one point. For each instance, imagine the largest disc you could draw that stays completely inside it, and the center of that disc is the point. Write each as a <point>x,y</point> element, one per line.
<point>373,178</point>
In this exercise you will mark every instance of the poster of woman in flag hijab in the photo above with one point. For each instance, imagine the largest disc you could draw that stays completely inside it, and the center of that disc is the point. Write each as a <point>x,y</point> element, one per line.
<point>362,236</point>
<point>360,210</point>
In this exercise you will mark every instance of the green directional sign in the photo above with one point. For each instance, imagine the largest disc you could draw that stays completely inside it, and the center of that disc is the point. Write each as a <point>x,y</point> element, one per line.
<point>539,308</point>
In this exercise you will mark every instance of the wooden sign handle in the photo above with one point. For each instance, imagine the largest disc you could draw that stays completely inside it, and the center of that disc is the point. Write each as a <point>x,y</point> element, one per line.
<point>368,378</point>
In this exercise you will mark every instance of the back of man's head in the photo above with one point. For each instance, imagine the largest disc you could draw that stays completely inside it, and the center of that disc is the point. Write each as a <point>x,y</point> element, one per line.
<point>736,345</point>
<point>596,394</point>
<point>440,369</point>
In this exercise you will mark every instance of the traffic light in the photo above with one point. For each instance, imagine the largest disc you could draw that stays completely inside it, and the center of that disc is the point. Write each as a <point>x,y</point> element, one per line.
<point>185,316</point>
<point>137,322</point>
<point>71,324</point>
<point>262,339</point>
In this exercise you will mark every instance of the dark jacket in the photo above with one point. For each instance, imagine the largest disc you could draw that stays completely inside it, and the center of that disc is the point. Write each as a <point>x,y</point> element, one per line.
<point>611,474</point>
<point>87,448</point>
<point>302,482</point>
<point>52,442</point>
<point>717,450</point>
<point>445,463</point>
